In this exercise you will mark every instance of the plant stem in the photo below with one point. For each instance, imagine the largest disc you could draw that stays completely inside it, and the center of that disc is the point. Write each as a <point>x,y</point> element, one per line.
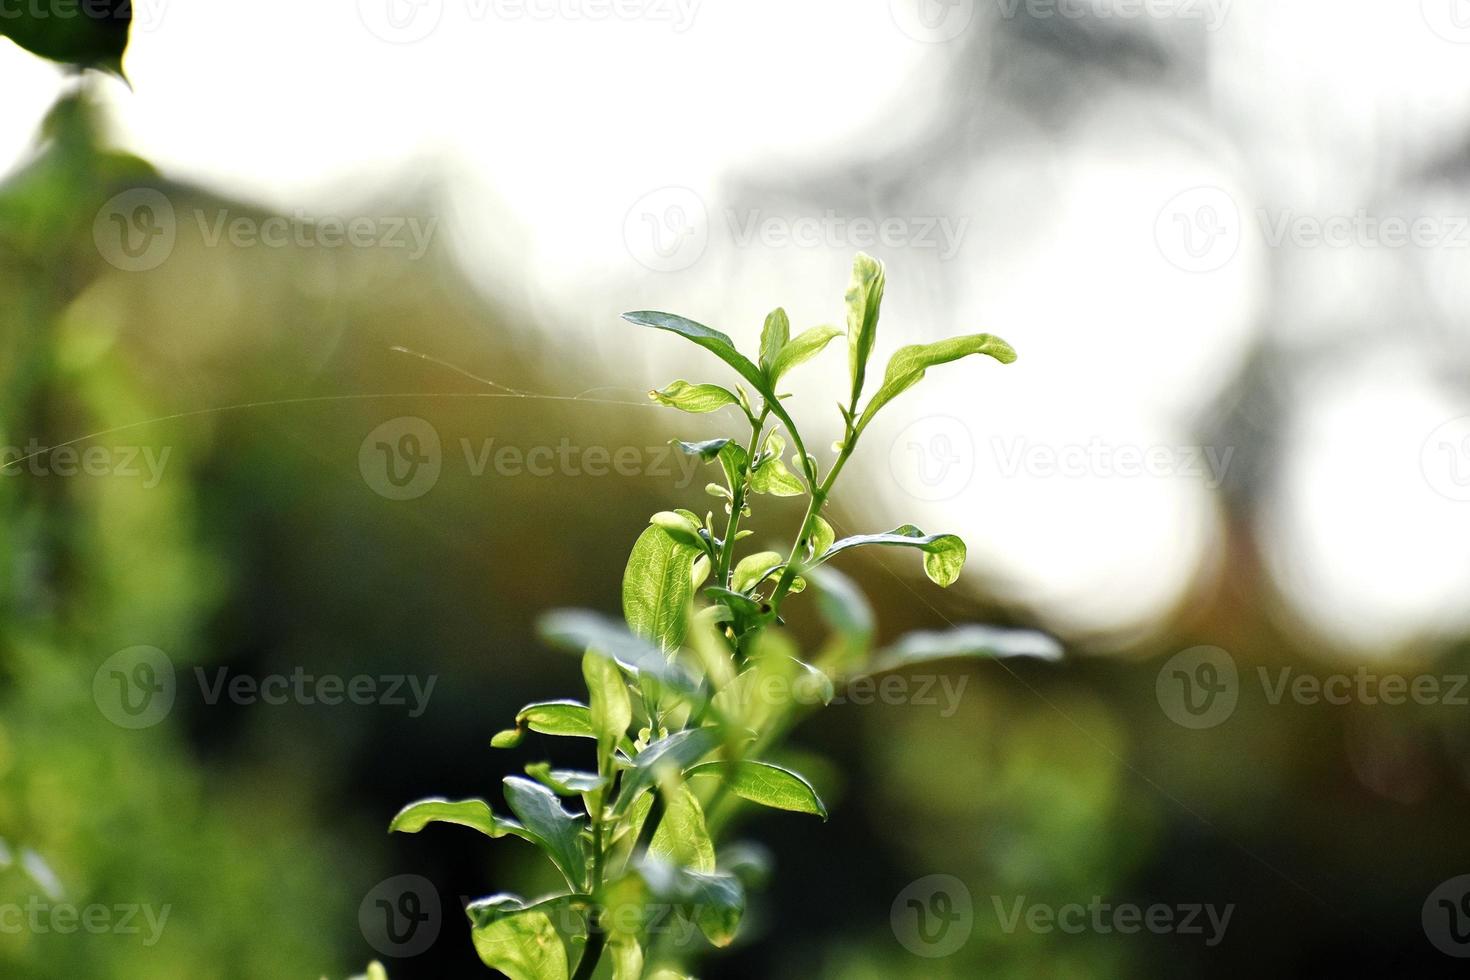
<point>808,523</point>
<point>591,953</point>
<point>737,503</point>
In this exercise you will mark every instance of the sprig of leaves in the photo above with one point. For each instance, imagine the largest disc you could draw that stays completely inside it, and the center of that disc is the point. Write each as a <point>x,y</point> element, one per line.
<point>689,694</point>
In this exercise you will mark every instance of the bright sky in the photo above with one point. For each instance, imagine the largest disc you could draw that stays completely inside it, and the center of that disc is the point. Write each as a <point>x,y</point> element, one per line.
<point>571,139</point>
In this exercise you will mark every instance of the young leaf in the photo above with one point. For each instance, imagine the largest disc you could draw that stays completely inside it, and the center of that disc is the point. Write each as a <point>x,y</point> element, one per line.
<point>907,366</point>
<point>610,710</point>
<point>802,348</point>
<point>774,337</point>
<point>520,942</point>
<point>558,832</point>
<point>766,784</point>
<point>732,461</point>
<point>864,299</point>
<point>627,957</point>
<point>944,554</point>
<point>682,527</point>
<point>658,584</point>
<point>755,569</point>
<point>695,399</point>
<point>821,539</point>
<point>966,641</point>
<point>682,836</point>
<point>568,718</point>
<point>475,814</point>
<point>711,340</point>
<point>772,476</point>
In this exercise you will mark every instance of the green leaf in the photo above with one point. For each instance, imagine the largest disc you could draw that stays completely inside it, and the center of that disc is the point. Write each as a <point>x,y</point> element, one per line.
<point>610,710</point>
<point>558,832</point>
<point>754,569</point>
<point>966,641</point>
<point>774,337</point>
<point>565,782</point>
<point>675,753</point>
<point>766,784</point>
<point>475,814</point>
<point>907,366</point>
<point>711,340</point>
<point>682,527</point>
<point>95,35</point>
<point>626,956</point>
<point>864,299</point>
<point>944,554</point>
<point>520,942</point>
<point>695,399</point>
<point>682,836</point>
<point>658,584</point>
<point>821,538</point>
<point>733,461</point>
<point>567,718</point>
<point>805,346</point>
<point>771,475</point>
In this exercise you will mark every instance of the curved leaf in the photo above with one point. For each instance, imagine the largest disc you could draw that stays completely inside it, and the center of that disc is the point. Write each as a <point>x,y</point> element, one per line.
<point>907,366</point>
<point>610,709</point>
<point>558,832</point>
<point>567,718</point>
<point>475,814</point>
<point>695,399</point>
<point>944,554</point>
<point>754,569</point>
<point>766,784</point>
<point>675,753</point>
<point>711,340</point>
<point>582,631</point>
<point>771,475</point>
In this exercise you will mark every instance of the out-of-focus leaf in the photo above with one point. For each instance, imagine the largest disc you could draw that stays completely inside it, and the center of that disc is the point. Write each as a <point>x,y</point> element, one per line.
<point>88,33</point>
<point>718,899</point>
<point>581,631</point>
<point>675,753</point>
<point>969,640</point>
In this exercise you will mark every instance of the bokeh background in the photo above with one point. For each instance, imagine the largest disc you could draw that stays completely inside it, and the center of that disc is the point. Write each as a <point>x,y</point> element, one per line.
<point>1230,241</point>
